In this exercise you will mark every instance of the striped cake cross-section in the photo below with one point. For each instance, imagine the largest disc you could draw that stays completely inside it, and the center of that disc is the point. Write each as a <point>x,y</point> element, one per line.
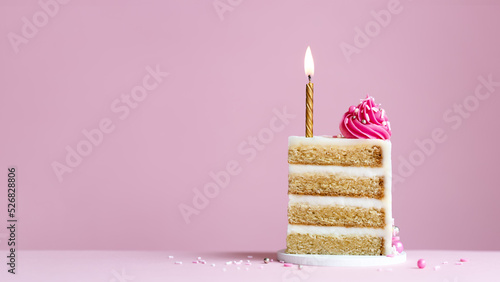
<point>339,193</point>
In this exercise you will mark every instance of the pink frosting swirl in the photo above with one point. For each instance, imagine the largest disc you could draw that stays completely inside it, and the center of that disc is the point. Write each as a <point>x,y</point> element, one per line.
<point>366,121</point>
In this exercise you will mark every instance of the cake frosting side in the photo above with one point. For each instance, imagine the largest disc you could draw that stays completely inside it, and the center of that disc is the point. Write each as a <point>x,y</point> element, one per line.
<point>339,196</point>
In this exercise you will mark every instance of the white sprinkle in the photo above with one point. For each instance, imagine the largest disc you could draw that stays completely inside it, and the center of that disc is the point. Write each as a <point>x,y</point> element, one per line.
<point>389,125</point>
<point>237,262</point>
<point>170,257</point>
<point>367,107</point>
<point>375,109</point>
<point>213,264</point>
<point>363,121</point>
<point>353,117</point>
<point>229,262</point>
<point>203,262</point>
<point>384,123</point>
<point>282,261</point>
<point>437,267</point>
<point>250,257</point>
<point>356,110</point>
<point>199,258</point>
<point>248,260</point>
<point>301,266</point>
<point>178,262</point>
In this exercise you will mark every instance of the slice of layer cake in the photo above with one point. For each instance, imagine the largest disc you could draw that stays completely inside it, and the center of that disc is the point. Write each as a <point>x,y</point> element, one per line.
<point>340,188</point>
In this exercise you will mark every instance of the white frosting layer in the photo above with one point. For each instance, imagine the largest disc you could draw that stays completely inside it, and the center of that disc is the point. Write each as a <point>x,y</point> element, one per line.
<point>335,230</point>
<point>344,170</point>
<point>385,170</point>
<point>332,201</point>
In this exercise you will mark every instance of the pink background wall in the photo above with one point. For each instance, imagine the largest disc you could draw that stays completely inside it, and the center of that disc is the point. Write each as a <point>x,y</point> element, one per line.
<point>228,75</point>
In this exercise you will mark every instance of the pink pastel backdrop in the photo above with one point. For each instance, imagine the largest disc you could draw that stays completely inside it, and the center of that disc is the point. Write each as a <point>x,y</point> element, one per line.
<point>227,74</point>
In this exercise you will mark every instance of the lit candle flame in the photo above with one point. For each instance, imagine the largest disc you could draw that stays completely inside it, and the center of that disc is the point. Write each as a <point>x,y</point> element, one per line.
<point>309,63</point>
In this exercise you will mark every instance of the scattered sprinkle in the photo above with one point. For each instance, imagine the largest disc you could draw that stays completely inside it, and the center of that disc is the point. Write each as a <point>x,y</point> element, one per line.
<point>248,263</point>
<point>250,257</point>
<point>237,262</point>
<point>195,261</point>
<point>445,262</point>
<point>178,262</point>
<point>437,267</point>
<point>301,266</point>
<point>213,264</point>
<point>421,263</point>
<point>202,261</point>
<point>363,121</point>
<point>390,255</point>
<point>170,257</point>
<point>464,260</point>
<point>459,263</point>
<point>229,262</point>
<point>287,265</point>
<point>281,261</point>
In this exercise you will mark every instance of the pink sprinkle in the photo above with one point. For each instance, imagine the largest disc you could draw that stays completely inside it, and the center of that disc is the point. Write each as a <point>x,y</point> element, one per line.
<point>395,238</point>
<point>203,262</point>
<point>250,257</point>
<point>459,263</point>
<point>437,267</point>
<point>421,263</point>
<point>271,260</point>
<point>390,255</point>
<point>178,262</point>
<point>195,261</point>
<point>464,260</point>
<point>287,265</point>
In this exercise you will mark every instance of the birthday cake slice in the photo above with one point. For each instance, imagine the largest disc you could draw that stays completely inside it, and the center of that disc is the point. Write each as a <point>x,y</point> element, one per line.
<point>340,188</point>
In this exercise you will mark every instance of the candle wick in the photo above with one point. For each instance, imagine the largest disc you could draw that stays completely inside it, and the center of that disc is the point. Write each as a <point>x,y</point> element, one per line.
<point>309,76</point>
